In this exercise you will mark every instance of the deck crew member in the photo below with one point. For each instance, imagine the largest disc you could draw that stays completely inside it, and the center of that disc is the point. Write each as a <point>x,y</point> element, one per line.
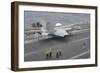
<point>48,53</point>
<point>59,52</point>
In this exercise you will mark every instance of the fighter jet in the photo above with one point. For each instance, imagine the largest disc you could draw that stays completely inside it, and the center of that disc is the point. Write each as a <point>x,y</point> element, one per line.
<point>56,30</point>
<point>53,29</point>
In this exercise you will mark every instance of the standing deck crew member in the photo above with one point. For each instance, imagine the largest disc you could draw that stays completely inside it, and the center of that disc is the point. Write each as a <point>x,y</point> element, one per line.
<point>48,53</point>
<point>59,52</point>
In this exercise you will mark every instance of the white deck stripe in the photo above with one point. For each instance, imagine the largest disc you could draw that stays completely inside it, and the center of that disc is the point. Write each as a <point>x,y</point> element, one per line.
<point>79,40</point>
<point>74,57</point>
<point>79,31</point>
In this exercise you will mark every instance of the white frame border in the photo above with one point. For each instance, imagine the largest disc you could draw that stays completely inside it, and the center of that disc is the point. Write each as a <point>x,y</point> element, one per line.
<point>33,64</point>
